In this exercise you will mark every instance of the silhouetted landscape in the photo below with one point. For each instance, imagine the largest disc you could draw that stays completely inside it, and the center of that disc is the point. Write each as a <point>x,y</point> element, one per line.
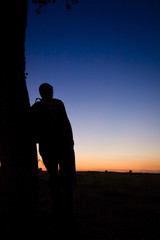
<point>106,206</point>
<point>103,59</point>
<point>117,206</point>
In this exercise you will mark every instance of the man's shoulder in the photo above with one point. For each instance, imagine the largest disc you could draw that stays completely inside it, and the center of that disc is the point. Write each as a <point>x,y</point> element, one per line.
<point>36,104</point>
<point>41,104</point>
<point>57,101</point>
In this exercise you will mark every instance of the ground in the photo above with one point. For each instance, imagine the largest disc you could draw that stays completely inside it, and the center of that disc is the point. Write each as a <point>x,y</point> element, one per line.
<point>111,206</point>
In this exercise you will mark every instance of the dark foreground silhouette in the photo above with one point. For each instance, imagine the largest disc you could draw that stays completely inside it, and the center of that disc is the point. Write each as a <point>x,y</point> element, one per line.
<point>110,206</point>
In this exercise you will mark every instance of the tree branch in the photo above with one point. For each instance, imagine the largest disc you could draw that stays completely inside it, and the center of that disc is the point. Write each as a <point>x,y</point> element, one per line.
<point>42,3</point>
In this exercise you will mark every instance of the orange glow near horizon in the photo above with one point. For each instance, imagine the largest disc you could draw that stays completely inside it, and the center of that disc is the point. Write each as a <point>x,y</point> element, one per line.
<point>125,164</point>
<point>112,162</point>
<point>120,164</point>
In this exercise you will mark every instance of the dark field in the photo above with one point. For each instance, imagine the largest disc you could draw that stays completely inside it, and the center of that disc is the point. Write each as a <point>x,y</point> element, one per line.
<point>110,206</point>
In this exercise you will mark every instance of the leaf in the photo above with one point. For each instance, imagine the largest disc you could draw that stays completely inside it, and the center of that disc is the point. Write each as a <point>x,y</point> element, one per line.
<point>68,6</point>
<point>38,11</point>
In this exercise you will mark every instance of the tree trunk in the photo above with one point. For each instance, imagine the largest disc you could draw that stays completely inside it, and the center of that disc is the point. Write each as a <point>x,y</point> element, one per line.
<point>18,157</point>
<point>17,151</point>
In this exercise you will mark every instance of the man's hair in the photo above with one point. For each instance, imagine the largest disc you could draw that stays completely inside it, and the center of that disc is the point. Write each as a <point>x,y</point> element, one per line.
<point>45,89</point>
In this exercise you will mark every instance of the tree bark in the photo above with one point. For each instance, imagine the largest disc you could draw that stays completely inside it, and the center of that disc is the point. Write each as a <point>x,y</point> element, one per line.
<point>17,150</point>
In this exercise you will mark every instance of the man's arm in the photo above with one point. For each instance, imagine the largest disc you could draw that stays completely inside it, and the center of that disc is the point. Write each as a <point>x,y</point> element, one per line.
<point>67,125</point>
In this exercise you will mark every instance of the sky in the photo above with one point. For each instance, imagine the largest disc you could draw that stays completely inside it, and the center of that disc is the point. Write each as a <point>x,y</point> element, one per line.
<point>103,60</point>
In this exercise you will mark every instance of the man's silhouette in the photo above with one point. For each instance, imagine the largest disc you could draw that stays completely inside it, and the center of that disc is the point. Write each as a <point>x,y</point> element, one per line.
<point>52,130</point>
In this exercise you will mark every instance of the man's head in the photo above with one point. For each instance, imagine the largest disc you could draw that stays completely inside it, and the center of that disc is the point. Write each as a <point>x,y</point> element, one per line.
<point>46,91</point>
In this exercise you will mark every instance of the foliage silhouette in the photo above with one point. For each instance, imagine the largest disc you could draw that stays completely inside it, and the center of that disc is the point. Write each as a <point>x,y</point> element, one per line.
<point>42,3</point>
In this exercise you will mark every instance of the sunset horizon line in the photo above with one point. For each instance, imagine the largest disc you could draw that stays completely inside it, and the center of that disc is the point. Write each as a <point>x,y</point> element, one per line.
<point>42,168</point>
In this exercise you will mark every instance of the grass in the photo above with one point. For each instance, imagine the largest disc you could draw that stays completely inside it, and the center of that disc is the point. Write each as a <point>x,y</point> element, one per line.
<point>108,206</point>
<point>116,206</point>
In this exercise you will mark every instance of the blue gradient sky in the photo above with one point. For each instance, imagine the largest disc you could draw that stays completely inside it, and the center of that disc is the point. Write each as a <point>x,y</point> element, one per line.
<point>103,59</point>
